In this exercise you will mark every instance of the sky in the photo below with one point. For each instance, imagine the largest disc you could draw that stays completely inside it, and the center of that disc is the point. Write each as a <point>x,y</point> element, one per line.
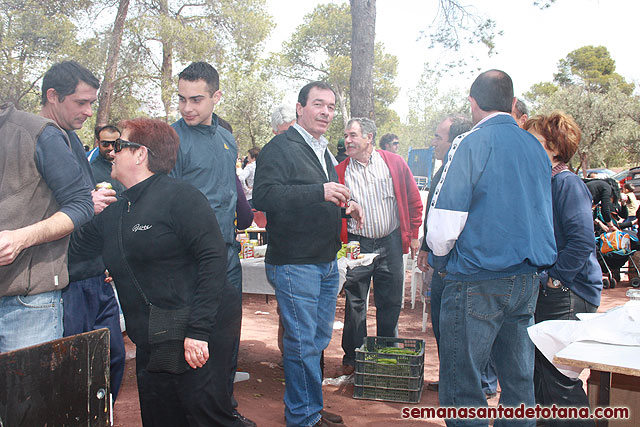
<point>532,43</point>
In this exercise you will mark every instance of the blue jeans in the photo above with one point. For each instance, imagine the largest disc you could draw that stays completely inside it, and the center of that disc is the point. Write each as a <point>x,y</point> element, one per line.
<point>488,376</point>
<point>90,304</point>
<point>306,296</point>
<point>30,320</point>
<point>489,379</point>
<point>475,318</point>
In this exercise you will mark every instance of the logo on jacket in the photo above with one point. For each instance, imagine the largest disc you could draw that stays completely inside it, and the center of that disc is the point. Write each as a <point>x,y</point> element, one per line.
<point>139,227</point>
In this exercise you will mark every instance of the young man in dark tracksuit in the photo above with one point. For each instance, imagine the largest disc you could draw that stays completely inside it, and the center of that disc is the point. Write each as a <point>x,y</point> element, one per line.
<point>207,160</point>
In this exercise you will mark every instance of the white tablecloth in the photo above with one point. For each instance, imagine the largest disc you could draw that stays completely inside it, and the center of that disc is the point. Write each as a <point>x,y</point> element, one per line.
<point>254,278</point>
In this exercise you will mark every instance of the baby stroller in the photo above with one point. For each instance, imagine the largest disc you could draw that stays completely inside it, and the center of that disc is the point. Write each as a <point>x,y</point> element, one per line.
<point>614,250</point>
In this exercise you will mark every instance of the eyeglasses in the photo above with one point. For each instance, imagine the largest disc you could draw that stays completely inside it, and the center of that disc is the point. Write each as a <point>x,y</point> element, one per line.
<point>123,143</point>
<point>107,144</point>
<point>396,143</point>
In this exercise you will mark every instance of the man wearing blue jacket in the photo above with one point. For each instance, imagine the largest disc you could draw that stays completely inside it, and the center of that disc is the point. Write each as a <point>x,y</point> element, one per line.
<point>490,226</point>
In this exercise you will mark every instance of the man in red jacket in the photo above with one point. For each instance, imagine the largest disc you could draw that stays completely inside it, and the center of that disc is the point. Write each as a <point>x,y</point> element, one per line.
<point>381,182</point>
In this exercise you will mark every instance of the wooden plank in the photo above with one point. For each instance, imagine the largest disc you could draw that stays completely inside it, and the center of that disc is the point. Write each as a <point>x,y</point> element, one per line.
<point>620,359</point>
<point>59,383</point>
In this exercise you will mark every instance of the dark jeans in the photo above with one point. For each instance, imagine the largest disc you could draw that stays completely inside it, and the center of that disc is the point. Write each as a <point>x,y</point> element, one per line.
<point>388,280</point>
<point>628,222</point>
<point>234,276</point>
<point>90,304</point>
<point>199,397</point>
<point>437,287</point>
<point>551,386</point>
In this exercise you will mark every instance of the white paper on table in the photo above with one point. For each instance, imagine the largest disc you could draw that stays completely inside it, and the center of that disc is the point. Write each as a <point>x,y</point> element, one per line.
<point>259,251</point>
<point>343,263</point>
<point>619,326</point>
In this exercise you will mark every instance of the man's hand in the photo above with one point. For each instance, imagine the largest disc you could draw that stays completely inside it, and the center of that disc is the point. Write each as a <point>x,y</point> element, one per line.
<point>11,244</point>
<point>102,198</point>
<point>196,352</point>
<point>356,212</point>
<point>107,277</point>
<point>335,193</point>
<point>415,247</point>
<point>423,261</point>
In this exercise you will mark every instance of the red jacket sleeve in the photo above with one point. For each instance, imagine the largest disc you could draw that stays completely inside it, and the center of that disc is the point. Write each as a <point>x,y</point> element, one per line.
<point>341,169</point>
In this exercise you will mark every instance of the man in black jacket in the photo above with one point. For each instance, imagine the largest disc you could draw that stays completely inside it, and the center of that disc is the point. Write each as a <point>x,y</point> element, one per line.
<point>602,194</point>
<point>297,186</point>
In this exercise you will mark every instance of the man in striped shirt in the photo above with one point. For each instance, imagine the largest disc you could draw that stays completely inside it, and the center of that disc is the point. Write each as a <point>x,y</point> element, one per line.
<point>381,182</point>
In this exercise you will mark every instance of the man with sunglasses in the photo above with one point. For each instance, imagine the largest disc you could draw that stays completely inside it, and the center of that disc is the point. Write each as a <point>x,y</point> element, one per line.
<point>389,142</point>
<point>101,165</point>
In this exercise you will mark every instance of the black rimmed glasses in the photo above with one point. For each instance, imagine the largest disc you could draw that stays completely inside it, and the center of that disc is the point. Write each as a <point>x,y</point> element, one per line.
<point>123,143</point>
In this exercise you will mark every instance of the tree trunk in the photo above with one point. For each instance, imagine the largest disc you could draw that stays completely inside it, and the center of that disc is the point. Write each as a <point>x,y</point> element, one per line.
<point>108,83</point>
<point>363,25</point>
<point>166,71</point>
<point>342,100</point>
<point>584,163</point>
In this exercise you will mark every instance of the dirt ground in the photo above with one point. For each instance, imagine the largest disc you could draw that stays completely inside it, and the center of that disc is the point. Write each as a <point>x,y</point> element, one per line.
<point>261,396</point>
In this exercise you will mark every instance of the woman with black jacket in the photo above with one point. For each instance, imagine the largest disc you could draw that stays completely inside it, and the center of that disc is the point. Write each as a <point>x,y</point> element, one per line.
<point>162,245</point>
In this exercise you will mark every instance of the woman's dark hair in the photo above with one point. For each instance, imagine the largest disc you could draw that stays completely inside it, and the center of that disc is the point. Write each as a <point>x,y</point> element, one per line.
<point>157,136</point>
<point>629,187</point>
<point>561,133</point>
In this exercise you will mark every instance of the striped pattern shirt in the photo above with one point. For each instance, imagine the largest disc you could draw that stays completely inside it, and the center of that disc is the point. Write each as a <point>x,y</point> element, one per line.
<point>372,187</point>
<point>319,146</point>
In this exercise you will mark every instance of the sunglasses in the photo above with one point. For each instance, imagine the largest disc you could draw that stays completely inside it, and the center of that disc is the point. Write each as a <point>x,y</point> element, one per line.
<point>120,143</point>
<point>107,144</point>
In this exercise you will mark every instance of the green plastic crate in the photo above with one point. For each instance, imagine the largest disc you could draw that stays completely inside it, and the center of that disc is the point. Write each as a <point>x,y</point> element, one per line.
<point>388,376</point>
<point>389,394</point>
<point>388,381</point>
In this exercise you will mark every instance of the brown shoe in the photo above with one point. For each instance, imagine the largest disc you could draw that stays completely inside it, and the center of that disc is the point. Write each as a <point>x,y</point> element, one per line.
<point>347,369</point>
<point>326,423</point>
<point>329,416</point>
